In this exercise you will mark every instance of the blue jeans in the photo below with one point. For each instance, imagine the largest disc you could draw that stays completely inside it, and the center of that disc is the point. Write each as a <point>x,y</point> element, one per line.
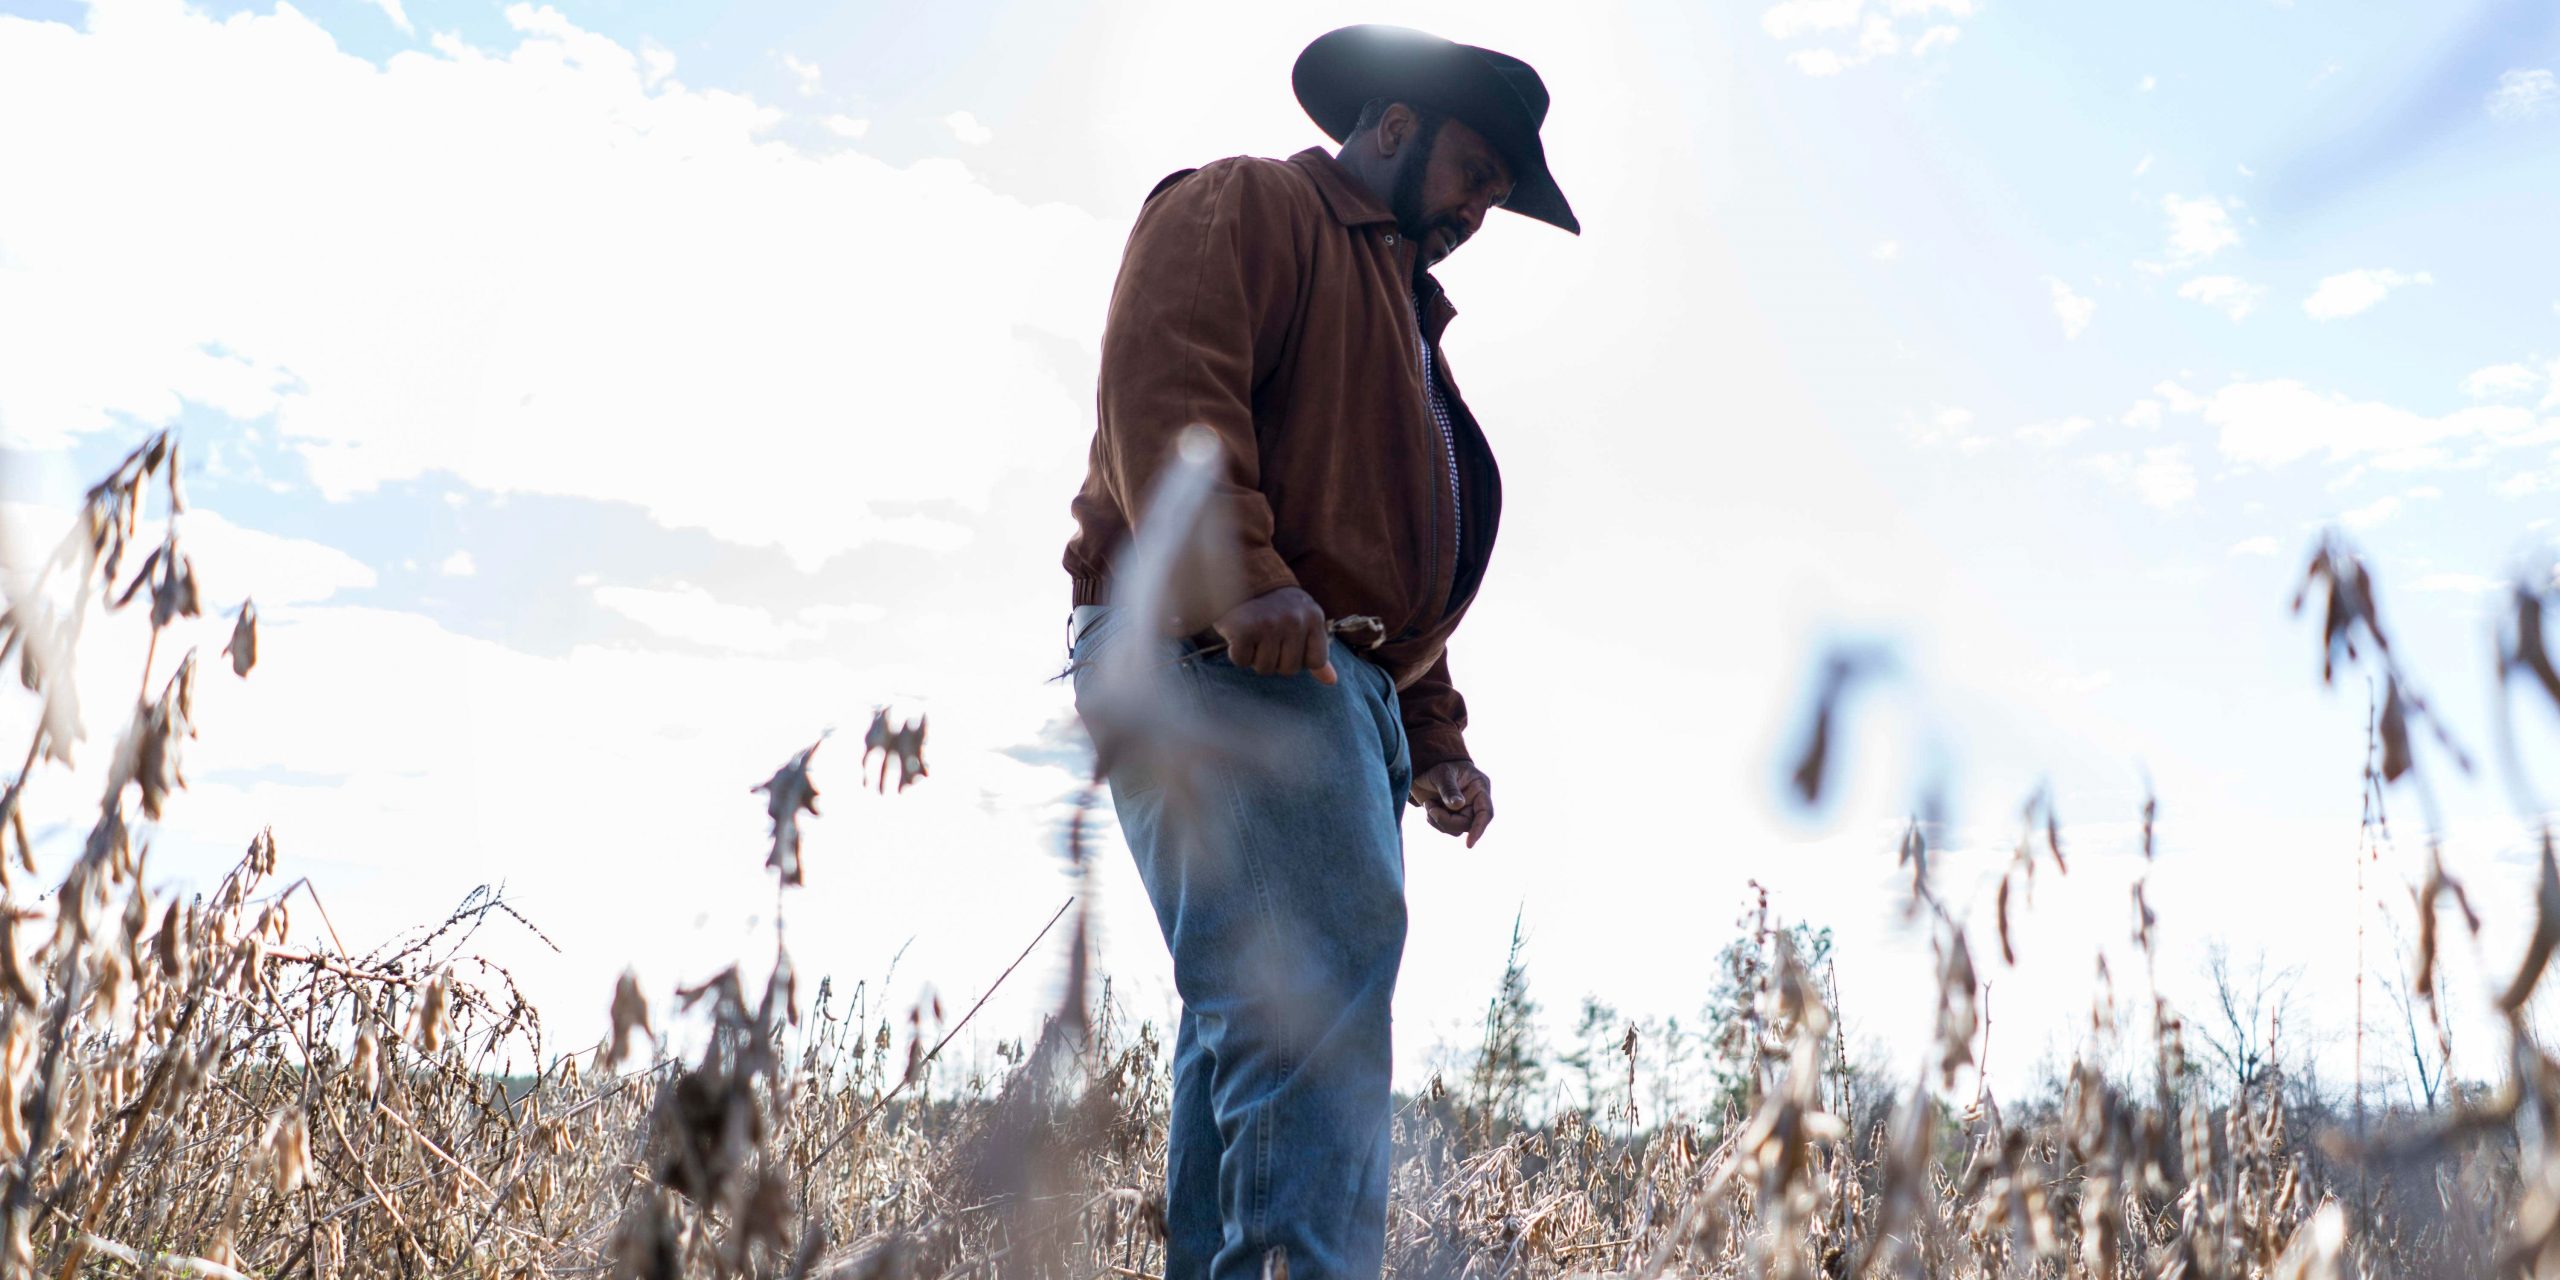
<point>1278,880</point>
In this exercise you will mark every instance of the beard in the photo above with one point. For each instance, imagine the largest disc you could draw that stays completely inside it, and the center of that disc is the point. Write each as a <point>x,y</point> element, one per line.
<point>1405,201</point>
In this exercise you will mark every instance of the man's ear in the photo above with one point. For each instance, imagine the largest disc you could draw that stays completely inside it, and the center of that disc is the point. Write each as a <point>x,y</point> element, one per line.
<point>1395,128</point>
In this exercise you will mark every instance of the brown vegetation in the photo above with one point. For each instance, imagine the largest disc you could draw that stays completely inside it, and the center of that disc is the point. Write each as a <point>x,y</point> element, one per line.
<point>195,1088</point>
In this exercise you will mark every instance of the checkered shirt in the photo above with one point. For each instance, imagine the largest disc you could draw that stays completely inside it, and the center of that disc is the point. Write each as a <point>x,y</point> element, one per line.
<point>1440,417</point>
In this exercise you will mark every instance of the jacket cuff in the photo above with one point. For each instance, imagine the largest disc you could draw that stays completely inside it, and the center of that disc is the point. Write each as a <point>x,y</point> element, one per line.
<point>1263,572</point>
<point>1428,746</point>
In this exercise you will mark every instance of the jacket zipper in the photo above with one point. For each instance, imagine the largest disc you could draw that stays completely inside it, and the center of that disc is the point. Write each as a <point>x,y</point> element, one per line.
<point>1423,617</point>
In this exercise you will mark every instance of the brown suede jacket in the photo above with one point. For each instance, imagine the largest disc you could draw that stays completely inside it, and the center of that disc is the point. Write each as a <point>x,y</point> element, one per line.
<point>1268,300</point>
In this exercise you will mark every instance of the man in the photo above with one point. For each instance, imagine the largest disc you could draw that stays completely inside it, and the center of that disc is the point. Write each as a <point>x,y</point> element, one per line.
<point>1287,307</point>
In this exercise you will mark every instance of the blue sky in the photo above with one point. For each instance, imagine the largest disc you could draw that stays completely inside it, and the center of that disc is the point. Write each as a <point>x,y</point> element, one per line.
<point>603,399</point>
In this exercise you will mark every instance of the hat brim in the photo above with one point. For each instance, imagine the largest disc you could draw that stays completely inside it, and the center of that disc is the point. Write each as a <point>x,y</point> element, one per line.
<point>1343,70</point>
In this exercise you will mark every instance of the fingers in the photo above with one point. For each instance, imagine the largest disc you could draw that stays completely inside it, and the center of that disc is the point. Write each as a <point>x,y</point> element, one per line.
<point>1448,822</point>
<point>1280,654</point>
<point>1279,633</point>
<point>1457,802</point>
<point>1240,641</point>
<point>1319,649</point>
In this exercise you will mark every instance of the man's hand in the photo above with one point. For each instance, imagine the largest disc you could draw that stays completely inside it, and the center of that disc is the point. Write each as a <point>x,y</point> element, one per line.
<point>1457,797</point>
<point>1279,633</point>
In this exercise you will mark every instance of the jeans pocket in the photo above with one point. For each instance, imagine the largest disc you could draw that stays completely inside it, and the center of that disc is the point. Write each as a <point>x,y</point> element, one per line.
<point>1089,634</point>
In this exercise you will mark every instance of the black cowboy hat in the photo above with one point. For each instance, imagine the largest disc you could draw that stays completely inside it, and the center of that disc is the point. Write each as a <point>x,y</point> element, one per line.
<point>1497,95</point>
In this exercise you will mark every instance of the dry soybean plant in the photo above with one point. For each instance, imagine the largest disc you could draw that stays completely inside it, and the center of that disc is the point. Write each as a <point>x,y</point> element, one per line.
<point>197,1087</point>
<point>194,1087</point>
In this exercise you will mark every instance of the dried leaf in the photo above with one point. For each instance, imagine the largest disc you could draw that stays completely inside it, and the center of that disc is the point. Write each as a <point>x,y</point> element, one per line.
<point>630,1015</point>
<point>141,576</point>
<point>2008,954</point>
<point>243,648</point>
<point>1957,1012</point>
<point>174,596</point>
<point>171,946</point>
<point>788,794</point>
<point>1915,855</point>
<point>430,1016</point>
<point>288,1149</point>
<point>2394,728</point>
<point>1360,630</point>
<point>2530,652</point>
<point>13,961</point>
<point>1814,760</point>
<point>2546,934</point>
<point>902,746</point>
<point>2423,984</point>
<point>366,1065</point>
<point>765,1220</point>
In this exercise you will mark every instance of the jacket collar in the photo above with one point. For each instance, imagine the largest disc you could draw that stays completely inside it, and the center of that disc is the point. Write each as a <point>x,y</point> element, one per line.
<point>1352,205</point>
<point>1343,192</point>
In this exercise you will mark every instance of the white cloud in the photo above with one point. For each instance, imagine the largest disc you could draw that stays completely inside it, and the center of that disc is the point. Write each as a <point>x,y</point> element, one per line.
<point>2162,477</point>
<point>806,72</point>
<point>1878,39</point>
<point>2355,292</point>
<point>2071,308</point>
<point>2178,398</point>
<point>1947,426</point>
<point>2279,420</point>
<point>966,128</point>
<point>692,614</point>
<point>2262,545</point>
<point>657,65</point>
<point>2230,295</point>
<point>2469,584</point>
<point>2147,84</point>
<point>1886,251</point>
<point>1794,18</point>
<point>848,126</point>
<point>1818,62</point>
<point>2142,166</point>
<point>459,565</point>
<point>1861,33</point>
<point>2501,382</point>
<point>232,562</point>
<point>2049,434</point>
<point>399,16</point>
<point>2198,228</point>
<point>2143,416</point>
<point>549,363</point>
<point>2524,94</point>
<point>2370,514</point>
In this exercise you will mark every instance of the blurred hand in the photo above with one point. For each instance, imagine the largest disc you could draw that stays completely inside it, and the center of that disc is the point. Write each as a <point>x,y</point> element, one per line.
<point>1457,797</point>
<point>1279,633</point>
